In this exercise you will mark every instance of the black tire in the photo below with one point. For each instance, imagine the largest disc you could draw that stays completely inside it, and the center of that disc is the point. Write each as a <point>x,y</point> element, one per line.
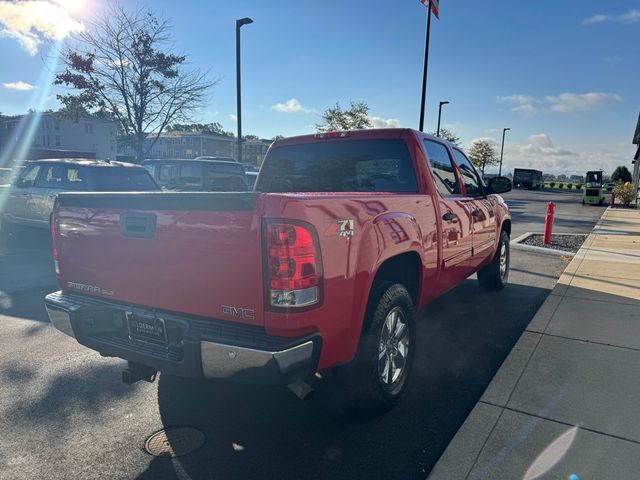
<point>371,388</point>
<point>496,275</point>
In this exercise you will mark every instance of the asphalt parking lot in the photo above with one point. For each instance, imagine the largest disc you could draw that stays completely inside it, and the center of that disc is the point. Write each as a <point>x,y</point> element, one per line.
<point>64,412</point>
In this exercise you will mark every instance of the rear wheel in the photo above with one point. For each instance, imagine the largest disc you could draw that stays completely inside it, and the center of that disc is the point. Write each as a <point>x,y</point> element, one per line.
<point>496,275</point>
<point>377,377</point>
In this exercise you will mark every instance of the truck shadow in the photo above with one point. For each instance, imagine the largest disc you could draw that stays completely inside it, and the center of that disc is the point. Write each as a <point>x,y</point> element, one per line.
<point>267,432</point>
<point>26,240</point>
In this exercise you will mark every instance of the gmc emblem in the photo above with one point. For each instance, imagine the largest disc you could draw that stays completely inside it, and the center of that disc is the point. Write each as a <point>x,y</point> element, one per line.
<point>237,312</point>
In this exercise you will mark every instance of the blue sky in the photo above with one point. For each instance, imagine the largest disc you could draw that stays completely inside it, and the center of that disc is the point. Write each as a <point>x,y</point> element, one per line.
<point>564,78</point>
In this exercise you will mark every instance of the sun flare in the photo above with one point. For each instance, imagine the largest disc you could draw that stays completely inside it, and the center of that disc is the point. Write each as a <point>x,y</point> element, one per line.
<point>74,7</point>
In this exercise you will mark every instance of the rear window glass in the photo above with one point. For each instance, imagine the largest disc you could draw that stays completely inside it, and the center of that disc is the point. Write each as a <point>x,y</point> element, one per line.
<point>226,168</point>
<point>339,166</point>
<point>191,175</point>
<point>113,179</point>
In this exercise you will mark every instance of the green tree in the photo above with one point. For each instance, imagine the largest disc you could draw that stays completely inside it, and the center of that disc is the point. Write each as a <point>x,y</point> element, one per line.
<point>277,137</point>
<point>622,174</point>
<point>449,136</point>
<point>335,118</point>
<point>482,154</point>
<point>122,64</point>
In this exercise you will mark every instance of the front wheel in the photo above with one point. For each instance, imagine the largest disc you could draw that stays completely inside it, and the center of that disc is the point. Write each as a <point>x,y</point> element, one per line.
<point>377,377</point>
<point>495,275</point>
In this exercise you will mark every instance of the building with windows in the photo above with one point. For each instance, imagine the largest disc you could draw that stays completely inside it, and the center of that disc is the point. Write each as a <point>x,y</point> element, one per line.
<point>254,150</point>
<point>189,145</point>
<point>48,135</point>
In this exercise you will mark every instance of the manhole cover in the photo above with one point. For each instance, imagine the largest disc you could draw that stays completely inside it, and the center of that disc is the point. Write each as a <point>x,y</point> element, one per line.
<point>174,442</point>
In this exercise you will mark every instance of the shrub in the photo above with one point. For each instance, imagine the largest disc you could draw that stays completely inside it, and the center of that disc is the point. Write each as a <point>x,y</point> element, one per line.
<point>578,186</point>
<point>552,184</point>
<point>569,186</point>
<point>625,193</point>
<point>561,185</point>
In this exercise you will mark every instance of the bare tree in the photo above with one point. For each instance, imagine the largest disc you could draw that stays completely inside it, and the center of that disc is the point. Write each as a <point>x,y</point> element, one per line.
<point>122,66</point>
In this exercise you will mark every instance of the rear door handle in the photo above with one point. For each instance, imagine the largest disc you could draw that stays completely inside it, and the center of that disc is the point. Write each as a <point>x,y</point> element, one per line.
<point>449,216</point>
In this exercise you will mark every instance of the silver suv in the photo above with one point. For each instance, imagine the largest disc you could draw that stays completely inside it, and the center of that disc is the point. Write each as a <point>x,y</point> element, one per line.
<point>29,199</point>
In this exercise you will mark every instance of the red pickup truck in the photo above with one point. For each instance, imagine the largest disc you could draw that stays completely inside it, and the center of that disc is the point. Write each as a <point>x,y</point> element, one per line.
<point>322,266</point>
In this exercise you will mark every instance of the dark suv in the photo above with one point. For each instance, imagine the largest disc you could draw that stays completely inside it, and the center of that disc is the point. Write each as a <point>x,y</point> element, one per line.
<point>211,175</point>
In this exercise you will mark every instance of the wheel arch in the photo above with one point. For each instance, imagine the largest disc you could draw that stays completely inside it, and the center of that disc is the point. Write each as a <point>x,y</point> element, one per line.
<point>405,269</point>
<point>506,226</point>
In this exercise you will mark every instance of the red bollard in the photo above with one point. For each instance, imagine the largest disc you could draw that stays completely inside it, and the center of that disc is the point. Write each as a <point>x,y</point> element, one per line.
<point>613,199</point>
<point>548,223</point>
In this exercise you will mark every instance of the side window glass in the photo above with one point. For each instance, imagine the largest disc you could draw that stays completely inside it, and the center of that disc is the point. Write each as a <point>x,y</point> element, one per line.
<point>191,175</point>
<point>29,176</point>
<point>470,177</point>
<point>165,172</point>
<point>442,168</point>
<point>53,177</point>
<point>75,179</point>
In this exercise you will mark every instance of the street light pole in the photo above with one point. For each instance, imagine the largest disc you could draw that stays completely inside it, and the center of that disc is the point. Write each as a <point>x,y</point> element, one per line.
<point>239,23</point>
<point>425,67</point>
<point>504,130</point>
<point>440,115</point>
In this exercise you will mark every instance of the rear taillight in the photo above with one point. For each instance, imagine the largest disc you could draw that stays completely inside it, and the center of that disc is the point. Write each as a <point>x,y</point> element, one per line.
<point>54,232</point>
<point>293,267</point>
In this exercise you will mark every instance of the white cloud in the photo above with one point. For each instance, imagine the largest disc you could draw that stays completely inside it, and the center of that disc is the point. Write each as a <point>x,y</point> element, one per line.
<point>613,58</point>
<point>539,152</point>
<point>575,102</point>
<point>379,122</point>
<point>20,85</point>
<point>30,22</point>
<point>290,106</point>
<point>492,141</point>
<point>596,19</point>
<point>523,104</point>
<point>233,117</point>
<point>454,126</point>
<point>632,16</point>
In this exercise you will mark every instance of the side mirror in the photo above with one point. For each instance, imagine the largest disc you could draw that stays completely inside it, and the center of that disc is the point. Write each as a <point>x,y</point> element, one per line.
<point>500,185</point>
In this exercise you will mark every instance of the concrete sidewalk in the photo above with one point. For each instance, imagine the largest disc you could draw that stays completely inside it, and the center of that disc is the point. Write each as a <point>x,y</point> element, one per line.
<point>566,401</point>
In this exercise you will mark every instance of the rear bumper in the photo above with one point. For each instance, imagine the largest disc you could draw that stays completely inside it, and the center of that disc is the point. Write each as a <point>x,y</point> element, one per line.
<point>196,347</point>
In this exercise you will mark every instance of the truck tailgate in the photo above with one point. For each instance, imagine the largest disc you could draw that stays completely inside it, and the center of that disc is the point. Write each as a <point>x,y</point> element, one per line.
<point>195,253</point>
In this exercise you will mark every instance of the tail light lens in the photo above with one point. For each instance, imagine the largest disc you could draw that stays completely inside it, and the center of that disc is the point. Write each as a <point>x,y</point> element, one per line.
<point>55,229</point>
<point>293,267</point>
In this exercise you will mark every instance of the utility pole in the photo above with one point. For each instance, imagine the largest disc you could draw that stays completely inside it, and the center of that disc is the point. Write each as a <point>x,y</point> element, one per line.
<point>239,24</point>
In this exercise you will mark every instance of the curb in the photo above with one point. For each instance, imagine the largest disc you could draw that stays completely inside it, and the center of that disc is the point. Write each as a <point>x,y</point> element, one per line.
<point>516,245</point>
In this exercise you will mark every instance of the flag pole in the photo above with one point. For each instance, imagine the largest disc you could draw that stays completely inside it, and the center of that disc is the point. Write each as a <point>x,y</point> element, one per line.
<point>425,66</point>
